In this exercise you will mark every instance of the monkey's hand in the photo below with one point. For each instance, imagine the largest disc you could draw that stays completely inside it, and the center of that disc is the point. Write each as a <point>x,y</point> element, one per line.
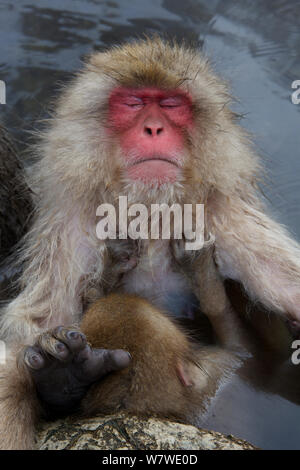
<point>121,257</point>
<point>63,366</point>
<point>200,267</point>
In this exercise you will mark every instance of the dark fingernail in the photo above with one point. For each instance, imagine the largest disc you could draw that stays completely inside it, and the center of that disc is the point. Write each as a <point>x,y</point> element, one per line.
<point>35,361</point>
<point>73,335</point>
<point>60,347</point>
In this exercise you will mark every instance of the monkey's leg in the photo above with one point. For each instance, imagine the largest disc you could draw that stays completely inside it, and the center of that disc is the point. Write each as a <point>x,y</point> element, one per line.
<point>63,366</point>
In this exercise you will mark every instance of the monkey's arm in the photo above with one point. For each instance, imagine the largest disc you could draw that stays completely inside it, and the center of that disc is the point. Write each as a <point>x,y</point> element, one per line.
<point>62,366</point>
<point>214,302</point>
<point>58,261</point>
<point>55,373</point>
<point>256,251</point>
<point>49,379</point>
<point>19,408</point>
<point>208,287</point>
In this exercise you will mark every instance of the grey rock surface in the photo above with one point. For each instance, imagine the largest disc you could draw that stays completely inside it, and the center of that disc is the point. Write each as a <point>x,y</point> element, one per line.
<point>123,432</point>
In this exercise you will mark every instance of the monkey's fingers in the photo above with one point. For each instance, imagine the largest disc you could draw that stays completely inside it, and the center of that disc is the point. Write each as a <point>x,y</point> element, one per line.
<point>99,362</point>
<point>33,358</point>
<point>192,260</point>
<point>59,344</point>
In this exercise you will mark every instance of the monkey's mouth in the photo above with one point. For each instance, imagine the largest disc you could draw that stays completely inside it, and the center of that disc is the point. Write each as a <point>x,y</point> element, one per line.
<point>157,169</point>
<point>151,159</point>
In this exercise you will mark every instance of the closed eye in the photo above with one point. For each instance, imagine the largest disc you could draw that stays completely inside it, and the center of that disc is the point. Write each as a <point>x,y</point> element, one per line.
<point>133,102</point>
<point>172,102</point>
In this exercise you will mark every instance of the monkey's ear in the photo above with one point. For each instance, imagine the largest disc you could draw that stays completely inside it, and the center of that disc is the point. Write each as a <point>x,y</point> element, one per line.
<point>184,374</point>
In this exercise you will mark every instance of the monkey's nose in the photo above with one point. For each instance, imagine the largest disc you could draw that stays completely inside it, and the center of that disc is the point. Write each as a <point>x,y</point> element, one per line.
<point>153,130</point>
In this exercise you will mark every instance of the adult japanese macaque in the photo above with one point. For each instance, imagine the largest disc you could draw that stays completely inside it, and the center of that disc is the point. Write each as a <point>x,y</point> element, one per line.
<point>151,121</point>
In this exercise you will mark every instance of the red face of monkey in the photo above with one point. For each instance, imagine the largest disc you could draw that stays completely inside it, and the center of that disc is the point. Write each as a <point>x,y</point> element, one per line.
<point>151,125</point>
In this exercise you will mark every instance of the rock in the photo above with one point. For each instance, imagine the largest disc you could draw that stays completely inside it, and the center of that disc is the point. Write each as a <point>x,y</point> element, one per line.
<point>123,432</point>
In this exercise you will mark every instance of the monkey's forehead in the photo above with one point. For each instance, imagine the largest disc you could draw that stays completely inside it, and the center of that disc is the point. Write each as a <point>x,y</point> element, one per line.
<point>152,62</point>
<point>145,63</point>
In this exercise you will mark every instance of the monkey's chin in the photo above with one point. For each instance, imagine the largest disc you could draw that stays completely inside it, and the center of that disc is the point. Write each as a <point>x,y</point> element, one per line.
<point>154,172</point>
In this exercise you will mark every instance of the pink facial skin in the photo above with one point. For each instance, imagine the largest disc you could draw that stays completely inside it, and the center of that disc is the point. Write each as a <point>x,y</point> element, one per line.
<point>151,124</point>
